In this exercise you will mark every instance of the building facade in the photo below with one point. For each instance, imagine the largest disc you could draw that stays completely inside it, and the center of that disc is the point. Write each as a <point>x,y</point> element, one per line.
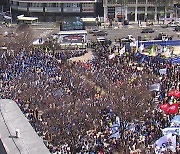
<point>135,10</point>
<point>54,10</point>
<point>4,2</point>
<point>4,5</point>
<point>177,8</point>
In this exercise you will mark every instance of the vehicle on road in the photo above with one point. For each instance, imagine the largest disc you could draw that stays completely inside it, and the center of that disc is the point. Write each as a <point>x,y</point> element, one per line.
<point>92,31</point>
<point>100,33</point>
<point>10,34</point>
<point>163,37</point>
<point>129,38</point>
<point>104,40</point>
<point>177,28</point>
<point>147,30</point>
<point>173,24</point>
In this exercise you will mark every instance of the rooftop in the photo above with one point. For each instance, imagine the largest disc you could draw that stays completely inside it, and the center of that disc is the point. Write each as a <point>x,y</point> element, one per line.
<point>11,119</point>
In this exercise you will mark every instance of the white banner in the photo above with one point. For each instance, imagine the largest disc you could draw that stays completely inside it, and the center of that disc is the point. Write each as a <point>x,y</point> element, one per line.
<point>112,56</point>
<point>123,50</point>
<point>173,130</point>
<point>141,48</point>
<point>163,71</point>
<point>155,87</point>
<point>164,143</point>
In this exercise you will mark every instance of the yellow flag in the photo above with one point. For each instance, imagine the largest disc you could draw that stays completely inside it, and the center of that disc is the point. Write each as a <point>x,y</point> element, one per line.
<point>152,51</point>
<point>46,50</point>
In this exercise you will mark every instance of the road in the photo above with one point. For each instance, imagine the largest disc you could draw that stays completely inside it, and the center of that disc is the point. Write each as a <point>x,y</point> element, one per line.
<point>45,30</point>
<point>136,31</point>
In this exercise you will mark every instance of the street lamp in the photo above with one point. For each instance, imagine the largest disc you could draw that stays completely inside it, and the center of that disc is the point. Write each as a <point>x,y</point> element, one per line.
<point>176,13</point>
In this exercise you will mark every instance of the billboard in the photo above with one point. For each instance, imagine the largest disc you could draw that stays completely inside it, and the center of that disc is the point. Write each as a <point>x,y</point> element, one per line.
<point>72,23</point>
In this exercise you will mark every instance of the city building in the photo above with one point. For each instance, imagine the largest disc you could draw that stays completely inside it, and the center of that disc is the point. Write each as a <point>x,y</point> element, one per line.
<point>4,5</point>
<point>4,2</point>
<point>135,10</point>
<point>54,10</point>
<point>177,8</point>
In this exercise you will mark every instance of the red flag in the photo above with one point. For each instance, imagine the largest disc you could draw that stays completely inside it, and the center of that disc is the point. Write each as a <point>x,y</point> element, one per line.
<point>173,109</point>
<point>174,93</point>
<point>164,107</point>
<point>86,65</point>
<point>119,83</point>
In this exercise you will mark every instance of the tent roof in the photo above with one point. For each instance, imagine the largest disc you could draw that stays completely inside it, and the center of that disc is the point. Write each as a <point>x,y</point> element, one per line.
<point>22,18</point>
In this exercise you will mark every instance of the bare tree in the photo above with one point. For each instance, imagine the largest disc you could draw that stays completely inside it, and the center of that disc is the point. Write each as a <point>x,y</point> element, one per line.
<point>24,36</point>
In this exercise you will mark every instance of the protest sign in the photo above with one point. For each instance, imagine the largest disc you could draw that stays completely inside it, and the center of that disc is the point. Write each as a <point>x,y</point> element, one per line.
<point>163,71</point>
<point>155,87</point>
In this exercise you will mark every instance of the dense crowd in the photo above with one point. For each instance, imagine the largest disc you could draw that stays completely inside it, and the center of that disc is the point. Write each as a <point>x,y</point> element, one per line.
<point>99,106</point>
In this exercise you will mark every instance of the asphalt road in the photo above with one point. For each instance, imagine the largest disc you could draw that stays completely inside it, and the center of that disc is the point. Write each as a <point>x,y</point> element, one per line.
<point>45,30</point>
<point>136,31</point>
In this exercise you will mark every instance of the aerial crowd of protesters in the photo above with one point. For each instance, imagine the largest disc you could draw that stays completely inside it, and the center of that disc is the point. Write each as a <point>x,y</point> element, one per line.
<point>74,106</point>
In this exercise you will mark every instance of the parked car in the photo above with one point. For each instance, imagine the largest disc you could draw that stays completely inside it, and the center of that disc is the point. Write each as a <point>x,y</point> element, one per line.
<point>129,38</point>
<point>10,34</point>
<point>147,30</point>
<point>104,40</point>
<point>173,24</point>
<point>163,37</point>
<point>100,33</point>
<point>177,28</point>
<point>92,31</point>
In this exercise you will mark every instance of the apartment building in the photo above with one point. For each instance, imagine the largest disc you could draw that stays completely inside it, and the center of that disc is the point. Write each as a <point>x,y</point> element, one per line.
<point>135,10</point>
<point>54,10</point>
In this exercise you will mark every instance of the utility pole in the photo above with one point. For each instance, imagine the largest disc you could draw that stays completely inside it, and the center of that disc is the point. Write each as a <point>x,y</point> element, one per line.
<point>2,9</point>
<point>10,11</point>
<point>176,13</point>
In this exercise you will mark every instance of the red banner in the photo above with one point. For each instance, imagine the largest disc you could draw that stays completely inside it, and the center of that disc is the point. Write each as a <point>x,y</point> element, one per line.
<point>174,93</point>
<point>164,107</point>
<point>169,109</point>
<point>173,109</point>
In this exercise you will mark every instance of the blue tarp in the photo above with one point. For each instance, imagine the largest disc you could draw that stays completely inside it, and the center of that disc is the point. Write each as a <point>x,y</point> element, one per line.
<point>175,60</point>
<point>159,42</point>
<point>176,119</point>
<point>145,58</point>
<point>115,131</point>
